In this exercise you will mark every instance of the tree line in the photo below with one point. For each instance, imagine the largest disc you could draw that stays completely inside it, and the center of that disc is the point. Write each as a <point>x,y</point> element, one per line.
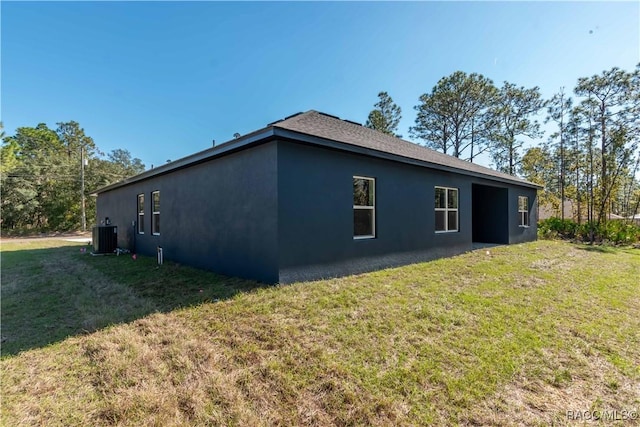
<point>591,158</point>
<point>42,175</point>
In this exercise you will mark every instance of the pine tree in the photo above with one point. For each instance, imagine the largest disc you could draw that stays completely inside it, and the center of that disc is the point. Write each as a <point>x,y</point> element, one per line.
<point>558,109</point>
<point>512,113</point>
<point>455,115</point>
<point>386,116</point>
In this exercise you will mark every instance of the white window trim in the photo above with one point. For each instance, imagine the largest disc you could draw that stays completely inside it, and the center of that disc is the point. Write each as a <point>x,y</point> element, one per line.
<point>447,209</point>
<point>521,211</point>
<point>372,208</point>
<point>140,214</point>
<point>153,213</point>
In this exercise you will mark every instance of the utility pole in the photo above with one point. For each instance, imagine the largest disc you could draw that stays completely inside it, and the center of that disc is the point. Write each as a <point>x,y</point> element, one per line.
<point>84,214</point>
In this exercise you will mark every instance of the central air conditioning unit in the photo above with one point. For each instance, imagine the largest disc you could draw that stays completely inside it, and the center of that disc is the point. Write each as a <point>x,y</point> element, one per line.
<point>105,239</point>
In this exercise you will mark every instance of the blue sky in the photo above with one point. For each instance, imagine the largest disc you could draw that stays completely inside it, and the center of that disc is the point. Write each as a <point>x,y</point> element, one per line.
<point>163,79</point>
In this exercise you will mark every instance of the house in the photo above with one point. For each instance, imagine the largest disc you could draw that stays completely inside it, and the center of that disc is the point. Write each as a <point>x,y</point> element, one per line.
<point>546,211</point>
<point>570,212</point>
<point>314,196</point>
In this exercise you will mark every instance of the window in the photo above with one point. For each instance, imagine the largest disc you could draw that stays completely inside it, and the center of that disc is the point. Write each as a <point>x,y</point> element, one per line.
<point>155,208</point>
<point>140,213</point>
<point>446,209</point>
<point>364,207</point>
<point>523,211</point>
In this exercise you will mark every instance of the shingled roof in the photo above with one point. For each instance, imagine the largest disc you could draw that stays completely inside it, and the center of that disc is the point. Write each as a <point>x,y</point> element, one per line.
<point>343,134</point>
<point>325,126</point>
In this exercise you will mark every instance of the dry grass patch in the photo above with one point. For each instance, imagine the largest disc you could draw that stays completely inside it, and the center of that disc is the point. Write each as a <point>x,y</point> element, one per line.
<point>506,338</point>
<point>545,396</point>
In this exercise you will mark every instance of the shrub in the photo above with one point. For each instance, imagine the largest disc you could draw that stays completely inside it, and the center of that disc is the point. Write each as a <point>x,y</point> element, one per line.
<point>553,228</point>
<point>621,233</point>
<point>614,232</point>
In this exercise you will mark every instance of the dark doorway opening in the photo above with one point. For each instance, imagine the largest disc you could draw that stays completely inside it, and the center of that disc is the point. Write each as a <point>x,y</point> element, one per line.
<point>490,212</point>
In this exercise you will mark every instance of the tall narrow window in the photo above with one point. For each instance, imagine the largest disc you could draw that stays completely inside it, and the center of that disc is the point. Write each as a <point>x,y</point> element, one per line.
<point>446,209</point>
<point>140,213</point>
<point>155,208</point>
<point>523,211</point>
<point>364,207</point>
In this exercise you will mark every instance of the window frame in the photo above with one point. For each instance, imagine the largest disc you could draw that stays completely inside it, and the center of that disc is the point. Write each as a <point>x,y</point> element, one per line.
<point>372,208</point>
<point>155,222</point>
<point>446,209</point>
<point>140,224</point>
<point>523,214</point>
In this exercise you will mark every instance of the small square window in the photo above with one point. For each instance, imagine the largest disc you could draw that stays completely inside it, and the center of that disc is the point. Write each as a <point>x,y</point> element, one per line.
<point>441,197</point>
<point>362,222</point>
<point>363,191</point>
<point>441,221</point>
<point>452,220</point>
<point>452,199</point>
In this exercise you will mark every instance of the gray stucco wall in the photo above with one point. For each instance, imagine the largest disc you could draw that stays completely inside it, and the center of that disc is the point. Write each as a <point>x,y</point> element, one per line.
<point>519,234</point>
<point>316,217</point>
<point>283,211</point>
<point>220,215</point>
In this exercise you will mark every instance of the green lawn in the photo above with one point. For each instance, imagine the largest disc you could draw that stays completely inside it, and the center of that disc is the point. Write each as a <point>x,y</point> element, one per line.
<point>514,335</point>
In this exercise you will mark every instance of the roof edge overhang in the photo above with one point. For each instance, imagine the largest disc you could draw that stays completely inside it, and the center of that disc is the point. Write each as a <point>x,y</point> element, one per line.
<point>273,132</point>
<point>254,138</point>
<point>294,136</point>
